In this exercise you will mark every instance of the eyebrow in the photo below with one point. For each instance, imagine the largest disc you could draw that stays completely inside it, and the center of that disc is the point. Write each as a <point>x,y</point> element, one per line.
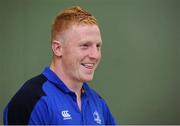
<point>83,42</point>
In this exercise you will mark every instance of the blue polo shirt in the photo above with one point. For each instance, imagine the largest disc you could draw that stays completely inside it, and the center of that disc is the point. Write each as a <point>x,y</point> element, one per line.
<point>46,100</point>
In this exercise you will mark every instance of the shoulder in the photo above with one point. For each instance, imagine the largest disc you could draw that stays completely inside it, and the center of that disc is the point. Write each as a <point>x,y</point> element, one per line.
<point>96,97</point>
<point>93,94</point>
<point>23,102</point>
<point>30,88</point>
<point>34,83</point>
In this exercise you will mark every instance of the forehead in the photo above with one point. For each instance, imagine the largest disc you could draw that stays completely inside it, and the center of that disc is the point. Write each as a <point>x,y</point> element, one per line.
<point>85,28</point>
<point>84,33</point>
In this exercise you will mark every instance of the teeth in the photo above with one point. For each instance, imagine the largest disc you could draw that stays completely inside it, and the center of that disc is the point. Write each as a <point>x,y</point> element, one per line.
<point>88,65</point>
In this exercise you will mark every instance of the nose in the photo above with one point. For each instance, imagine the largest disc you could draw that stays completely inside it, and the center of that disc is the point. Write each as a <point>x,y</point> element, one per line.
<point>95,53</point>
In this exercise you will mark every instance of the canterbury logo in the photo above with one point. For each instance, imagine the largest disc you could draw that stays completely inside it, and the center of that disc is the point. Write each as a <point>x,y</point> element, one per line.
<point>65,114</point>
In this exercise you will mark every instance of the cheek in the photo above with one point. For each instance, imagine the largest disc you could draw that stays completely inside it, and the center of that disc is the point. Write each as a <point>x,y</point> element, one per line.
<point>99,56</point>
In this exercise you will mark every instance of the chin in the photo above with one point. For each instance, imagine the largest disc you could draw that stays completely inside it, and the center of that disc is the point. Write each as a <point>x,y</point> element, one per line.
<point>88,78</point>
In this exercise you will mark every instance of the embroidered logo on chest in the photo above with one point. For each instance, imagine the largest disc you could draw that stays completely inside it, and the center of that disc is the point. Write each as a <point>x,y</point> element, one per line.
<point>65,114</point>
<point>96,117</point>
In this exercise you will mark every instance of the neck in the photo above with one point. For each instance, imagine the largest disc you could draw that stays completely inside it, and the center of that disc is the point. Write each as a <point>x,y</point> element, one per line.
<point>73,85</point>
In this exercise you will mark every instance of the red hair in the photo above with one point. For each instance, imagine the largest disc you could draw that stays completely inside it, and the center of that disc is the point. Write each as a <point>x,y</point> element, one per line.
<point>69,17</point>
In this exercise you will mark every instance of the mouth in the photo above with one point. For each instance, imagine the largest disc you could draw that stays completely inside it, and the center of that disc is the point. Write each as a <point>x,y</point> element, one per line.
<point>88,65</point>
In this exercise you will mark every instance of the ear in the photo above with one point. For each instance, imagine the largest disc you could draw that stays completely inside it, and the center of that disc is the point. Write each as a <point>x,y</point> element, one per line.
<point>56,47</point>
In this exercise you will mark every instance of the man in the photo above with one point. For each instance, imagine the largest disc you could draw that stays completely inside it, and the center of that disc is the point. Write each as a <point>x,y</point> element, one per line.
<point>60,94</point>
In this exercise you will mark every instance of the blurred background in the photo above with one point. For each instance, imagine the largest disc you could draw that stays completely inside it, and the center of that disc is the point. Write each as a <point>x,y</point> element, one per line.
<point>139,74</point>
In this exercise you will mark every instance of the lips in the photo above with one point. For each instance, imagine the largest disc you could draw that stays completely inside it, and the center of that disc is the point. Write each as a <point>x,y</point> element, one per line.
<point>88,65</point>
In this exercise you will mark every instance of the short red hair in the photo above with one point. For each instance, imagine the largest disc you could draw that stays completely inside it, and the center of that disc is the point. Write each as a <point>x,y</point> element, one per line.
<point>69,17</point>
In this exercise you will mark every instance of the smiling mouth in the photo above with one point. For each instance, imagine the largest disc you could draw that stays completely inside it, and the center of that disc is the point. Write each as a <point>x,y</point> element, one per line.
<point>88,65</point>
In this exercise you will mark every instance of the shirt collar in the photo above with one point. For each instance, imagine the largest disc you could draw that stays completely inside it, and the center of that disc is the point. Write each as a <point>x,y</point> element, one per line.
<point>52,77</point>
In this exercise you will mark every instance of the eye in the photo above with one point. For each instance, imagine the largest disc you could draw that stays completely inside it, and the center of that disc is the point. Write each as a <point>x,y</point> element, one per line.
<point>84,46</point>
<point>98,46</point>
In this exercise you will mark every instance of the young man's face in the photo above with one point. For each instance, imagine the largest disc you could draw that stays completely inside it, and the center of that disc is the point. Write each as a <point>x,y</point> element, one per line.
<point>81,52</point>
